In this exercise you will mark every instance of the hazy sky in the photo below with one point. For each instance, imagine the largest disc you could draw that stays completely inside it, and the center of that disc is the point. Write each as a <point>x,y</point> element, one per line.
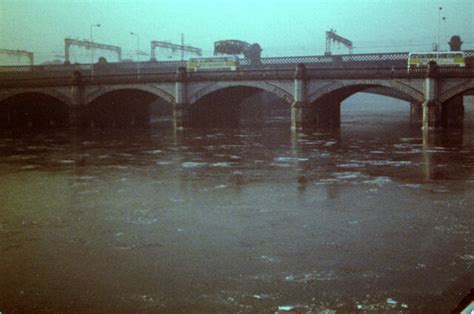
<point>281,27</point>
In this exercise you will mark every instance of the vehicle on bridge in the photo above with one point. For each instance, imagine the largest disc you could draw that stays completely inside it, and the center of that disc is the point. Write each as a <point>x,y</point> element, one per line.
<point>230,63</point>
<point>443,59</point>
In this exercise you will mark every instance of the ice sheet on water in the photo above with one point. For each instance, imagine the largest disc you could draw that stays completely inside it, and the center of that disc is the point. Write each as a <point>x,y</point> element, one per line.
<point>280,165</point>
<point>29,167</point>
<point>409,139</point>
<point>330,143</point>
<point>164,162</point>
<point>350,165</point>
<point>289,159</point>
<point>221,164</point>
<point>154,152</point>
<point>412,185</point>
<point>261,296</point>
<point>379,181</point>
<point>347,175</point>
<point>87,177</point>
<point>221,186</point>
<point>312,276</point>
<point>194,165</point>
<point>389,163</point>
<point>269,259</point>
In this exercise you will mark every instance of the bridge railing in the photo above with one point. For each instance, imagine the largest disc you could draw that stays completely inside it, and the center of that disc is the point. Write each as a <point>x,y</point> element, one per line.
<point>15,82</point>
<point>383,73</point>
<point>264,74</point>
<point>248,74</point>
<point>456,72</point>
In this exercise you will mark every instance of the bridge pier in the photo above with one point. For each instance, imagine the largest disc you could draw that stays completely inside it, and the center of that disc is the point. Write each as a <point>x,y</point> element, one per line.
<point>180,107</point>
<point>301,113</point>
<point>328,115</point>
<point>432,113</point>
<point>416,112</point>
<point>453,112</point>
<point>301,116</point>
<point>77,97</point>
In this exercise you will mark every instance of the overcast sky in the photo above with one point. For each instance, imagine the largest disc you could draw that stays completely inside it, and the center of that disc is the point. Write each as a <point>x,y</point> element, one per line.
<point>281,27</point>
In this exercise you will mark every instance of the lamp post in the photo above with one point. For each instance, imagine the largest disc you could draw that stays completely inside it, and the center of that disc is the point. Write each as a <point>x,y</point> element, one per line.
<point>92,39</point>
<point>444,27</point>
<point>437,39</point>
<point>138,52</point>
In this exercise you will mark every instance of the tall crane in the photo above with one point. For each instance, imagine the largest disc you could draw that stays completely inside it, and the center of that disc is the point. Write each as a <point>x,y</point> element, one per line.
<point>68,42</point>
<point>233,47</point>
<point>174,47</point>
<point>331,36</point>
<point>18,53</point>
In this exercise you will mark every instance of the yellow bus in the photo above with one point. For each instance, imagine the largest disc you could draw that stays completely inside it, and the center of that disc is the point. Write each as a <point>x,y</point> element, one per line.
<point>443,59</point>
<point>213,64</point>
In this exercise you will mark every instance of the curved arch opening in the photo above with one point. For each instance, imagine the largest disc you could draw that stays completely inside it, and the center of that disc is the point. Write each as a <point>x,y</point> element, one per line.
<point>33,110</point>
<point>364,108</point>
<point>364,105</point>
<point>126,108</point>
<point>469,110</point>
<point>458,109</point>
<point>237,107</point>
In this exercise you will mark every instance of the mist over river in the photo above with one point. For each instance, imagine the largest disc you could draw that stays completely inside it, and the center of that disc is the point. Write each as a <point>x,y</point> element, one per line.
<point>372,217</point>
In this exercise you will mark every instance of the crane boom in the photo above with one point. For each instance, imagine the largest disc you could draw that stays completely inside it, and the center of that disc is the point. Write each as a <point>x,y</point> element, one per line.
<point>234,47</point>
<point>331,36</point>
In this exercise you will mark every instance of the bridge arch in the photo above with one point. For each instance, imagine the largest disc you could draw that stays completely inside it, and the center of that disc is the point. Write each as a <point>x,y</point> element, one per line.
<point>456,91</point>
<point>103,90</point>
<point>47,92</point>
<point>354,86</point>
<point>268,87</point>
<point>125,106</point>
<point>34,108</point>
<point>237,104</point>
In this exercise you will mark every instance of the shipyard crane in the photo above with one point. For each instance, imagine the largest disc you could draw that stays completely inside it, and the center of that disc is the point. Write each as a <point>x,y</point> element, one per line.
<point>251,52</point>
<point>331,36</point>
<point>68,42</point>
<point>18,53</point>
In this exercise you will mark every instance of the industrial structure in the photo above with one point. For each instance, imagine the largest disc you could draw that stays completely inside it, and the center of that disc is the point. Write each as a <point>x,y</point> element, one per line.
<point>173,47</point>
<point>331,36</point>
<point>252,52</point>
<point>18,53</point>
<point>68,42</point>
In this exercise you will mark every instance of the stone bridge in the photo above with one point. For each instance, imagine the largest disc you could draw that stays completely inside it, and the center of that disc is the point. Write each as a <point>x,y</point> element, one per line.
<point>314,95</point>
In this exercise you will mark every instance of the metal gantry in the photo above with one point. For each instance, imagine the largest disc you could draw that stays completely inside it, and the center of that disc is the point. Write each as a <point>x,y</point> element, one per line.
<point>18,53</point>
<point>174,47</point>
<point>331,36</point>
<point>68,42</point>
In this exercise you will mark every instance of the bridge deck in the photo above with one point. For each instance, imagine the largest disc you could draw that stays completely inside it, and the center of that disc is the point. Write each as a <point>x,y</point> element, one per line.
<point>348,61</point>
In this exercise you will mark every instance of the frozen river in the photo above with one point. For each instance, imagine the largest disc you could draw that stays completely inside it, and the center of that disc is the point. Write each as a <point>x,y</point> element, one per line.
<point>367,218</point>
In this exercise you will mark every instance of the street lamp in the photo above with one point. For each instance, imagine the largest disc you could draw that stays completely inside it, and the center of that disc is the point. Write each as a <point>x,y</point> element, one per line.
<point>91,39</point>
<point>444,27</point>
<point>437,41</point>
<point>138,52</point>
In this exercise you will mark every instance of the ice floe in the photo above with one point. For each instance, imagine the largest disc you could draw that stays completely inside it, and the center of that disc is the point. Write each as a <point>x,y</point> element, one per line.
<point>192,164</point>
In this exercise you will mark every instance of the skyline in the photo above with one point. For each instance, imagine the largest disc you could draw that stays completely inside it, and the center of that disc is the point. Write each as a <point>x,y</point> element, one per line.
<point>281,27</point>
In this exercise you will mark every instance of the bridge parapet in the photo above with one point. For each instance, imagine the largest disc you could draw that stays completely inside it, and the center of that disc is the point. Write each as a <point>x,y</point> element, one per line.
<point>245,74</point>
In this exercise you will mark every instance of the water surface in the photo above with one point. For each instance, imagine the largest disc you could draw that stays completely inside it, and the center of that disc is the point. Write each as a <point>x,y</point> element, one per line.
<point>372,217</point>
